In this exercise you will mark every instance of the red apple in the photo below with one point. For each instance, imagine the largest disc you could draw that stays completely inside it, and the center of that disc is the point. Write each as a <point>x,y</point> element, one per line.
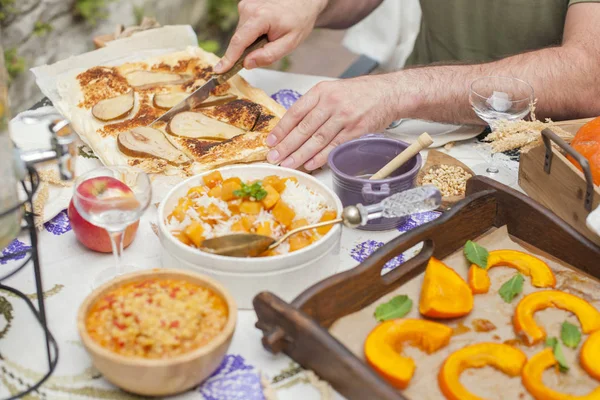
<point>92,236</point>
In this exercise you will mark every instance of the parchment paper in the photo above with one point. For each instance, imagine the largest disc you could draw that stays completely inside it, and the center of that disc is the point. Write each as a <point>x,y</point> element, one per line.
<point>134,48</point>
<point>487,382</point>
<point>138,47</point>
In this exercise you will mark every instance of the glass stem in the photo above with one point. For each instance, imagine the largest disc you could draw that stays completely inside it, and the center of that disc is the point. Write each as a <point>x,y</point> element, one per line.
<point>493,167</point>
<point>116,240</point>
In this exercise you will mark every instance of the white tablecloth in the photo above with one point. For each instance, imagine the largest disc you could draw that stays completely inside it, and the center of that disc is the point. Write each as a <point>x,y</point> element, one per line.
<point>68,269</point>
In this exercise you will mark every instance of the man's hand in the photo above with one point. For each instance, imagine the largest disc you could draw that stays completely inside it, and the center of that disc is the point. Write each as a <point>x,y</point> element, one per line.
<point>286,22</point>
<point>330,114</point>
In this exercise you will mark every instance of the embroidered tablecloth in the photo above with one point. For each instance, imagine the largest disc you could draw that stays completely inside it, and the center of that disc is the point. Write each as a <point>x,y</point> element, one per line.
<point>248,371</point>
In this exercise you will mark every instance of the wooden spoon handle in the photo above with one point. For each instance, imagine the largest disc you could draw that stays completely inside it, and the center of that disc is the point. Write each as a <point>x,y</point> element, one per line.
<point>423,142</point>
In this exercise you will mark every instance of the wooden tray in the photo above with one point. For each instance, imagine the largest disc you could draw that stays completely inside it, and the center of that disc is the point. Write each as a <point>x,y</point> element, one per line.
<point>299,329</point>
<point>547,176</point>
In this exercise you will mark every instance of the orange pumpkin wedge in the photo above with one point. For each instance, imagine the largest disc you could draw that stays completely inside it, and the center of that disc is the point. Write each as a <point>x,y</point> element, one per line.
<point>540,273</point>
<point>590,355</point>
<point>532,379</point>
<point>383,347</point>
<point>503,357</point>
<point>526,327</point>
<point>444,293</point>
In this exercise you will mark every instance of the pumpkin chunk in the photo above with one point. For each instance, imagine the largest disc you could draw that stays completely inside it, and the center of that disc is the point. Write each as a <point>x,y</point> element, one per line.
<point>532,333</point>
<point>327,216</point>
<point>264,228</point>
<point>250,207</point>
<point>271,198</point>
<point>194,232</point>
<point>283,214</point>
<point>213,179</point>
<point>508,359</point>
<point>540,273</point>
<point>215,192</point>
<point>383,347</point>
<point>275,182</point>
<point>228,188</point>
<point>444,293</point>
<point>532,379</point>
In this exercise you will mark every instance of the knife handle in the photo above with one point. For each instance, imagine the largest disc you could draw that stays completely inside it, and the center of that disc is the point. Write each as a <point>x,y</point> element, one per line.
<point>239,64</point>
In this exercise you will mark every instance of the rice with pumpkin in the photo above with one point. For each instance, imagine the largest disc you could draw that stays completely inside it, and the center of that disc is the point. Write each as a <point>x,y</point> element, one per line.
<point>156,318</point>
<point>271,206</point>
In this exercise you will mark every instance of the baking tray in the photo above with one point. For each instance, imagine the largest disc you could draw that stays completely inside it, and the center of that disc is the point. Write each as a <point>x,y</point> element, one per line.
<point>548,177</point>
<point>300,329</point>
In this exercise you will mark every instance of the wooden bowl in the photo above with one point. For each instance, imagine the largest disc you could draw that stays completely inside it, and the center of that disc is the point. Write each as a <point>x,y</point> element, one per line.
<point>436,158</point>
<point>159,377</point>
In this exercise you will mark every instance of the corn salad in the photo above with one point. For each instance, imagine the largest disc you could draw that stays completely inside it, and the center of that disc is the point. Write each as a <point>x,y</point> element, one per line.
<point>156,318</point>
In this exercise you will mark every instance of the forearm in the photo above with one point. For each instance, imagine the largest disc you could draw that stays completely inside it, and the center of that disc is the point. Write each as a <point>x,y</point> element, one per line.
<point>563,78</point>
<point>342,14</point>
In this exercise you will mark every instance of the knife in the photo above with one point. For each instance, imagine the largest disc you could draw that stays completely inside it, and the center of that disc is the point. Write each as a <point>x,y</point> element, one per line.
<point>202,93</point>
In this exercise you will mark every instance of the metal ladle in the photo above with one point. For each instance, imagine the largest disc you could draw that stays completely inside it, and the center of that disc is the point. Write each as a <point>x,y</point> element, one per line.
<point>420,199</point>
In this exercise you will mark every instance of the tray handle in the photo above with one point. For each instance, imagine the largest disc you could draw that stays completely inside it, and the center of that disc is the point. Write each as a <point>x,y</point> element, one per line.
<point>548,137</point>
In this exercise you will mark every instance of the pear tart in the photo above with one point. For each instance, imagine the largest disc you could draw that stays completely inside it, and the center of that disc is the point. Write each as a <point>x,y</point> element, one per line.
<point>111,108</point>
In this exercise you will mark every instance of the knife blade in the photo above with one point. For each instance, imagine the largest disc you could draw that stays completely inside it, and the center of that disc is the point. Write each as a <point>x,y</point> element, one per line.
<point>202,93</point>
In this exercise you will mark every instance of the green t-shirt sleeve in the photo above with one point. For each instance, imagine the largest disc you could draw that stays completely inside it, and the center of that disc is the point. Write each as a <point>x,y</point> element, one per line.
<point>571,2</point>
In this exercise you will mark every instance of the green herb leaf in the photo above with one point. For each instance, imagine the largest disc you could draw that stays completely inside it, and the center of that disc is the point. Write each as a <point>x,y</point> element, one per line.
<point>476,254</point>
<point>558,353</point>
<point>512,288</point>
<point>255,191</point>
<point>86,153</point>
<point>397,307</point>
<point>570,335</point>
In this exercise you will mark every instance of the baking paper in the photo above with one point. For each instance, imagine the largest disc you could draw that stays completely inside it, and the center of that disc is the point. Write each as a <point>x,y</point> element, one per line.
<point>486,382</point>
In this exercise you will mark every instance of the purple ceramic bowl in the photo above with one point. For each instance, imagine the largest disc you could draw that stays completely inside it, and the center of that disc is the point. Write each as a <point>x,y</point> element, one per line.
<point>352,164</point>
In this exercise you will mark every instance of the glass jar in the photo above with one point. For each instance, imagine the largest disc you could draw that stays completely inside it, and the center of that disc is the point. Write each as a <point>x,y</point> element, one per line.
<point>10,223</point>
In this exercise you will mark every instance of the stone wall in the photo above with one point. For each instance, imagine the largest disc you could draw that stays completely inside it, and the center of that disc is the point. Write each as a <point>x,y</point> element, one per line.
<point>45,31</point>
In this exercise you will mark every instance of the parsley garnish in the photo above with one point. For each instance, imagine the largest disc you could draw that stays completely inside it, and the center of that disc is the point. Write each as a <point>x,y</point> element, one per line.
<point>255,191</point>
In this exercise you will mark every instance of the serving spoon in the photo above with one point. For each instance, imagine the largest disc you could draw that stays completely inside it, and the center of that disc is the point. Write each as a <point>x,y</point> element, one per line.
<point>419,199</point>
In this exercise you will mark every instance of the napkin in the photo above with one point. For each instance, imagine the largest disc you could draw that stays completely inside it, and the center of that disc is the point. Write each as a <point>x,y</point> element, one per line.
<point>593,221</point>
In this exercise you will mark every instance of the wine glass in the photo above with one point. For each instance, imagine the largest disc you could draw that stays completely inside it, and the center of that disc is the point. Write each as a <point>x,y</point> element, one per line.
<point>112,198</point>
<point>494,99</point>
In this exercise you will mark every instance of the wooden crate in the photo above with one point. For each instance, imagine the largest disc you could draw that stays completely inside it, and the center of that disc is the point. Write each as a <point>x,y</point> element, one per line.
<point>300,329</point>
<point>548,177</point>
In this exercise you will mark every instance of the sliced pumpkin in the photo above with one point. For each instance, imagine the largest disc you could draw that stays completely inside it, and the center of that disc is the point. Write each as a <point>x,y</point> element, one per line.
<point>383,347</point>
<point>590,355</point>
<point>444,293</point>
<point>526,327</point>
<point>508,359</point>
<point>532,379</point>
<point>540,273</point>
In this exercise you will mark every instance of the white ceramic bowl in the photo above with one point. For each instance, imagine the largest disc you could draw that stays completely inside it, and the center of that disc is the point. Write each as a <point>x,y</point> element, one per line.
<point>286,275</point>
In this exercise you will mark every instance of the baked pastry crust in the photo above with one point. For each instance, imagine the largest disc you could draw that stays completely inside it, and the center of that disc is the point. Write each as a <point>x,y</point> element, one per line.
<point>252,111</point>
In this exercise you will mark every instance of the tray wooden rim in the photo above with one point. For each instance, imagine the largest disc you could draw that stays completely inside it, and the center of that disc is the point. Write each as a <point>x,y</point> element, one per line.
<point>300,329</point>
